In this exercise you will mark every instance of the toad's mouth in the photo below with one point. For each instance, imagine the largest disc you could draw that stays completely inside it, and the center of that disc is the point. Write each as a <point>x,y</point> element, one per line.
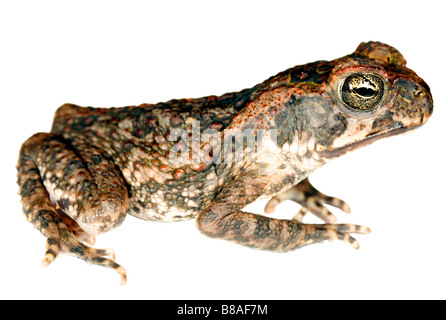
<point>334,153</point>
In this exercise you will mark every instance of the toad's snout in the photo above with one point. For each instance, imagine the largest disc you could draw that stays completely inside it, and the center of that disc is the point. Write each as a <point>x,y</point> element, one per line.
<point>423,99</point>
<point>412,104</point>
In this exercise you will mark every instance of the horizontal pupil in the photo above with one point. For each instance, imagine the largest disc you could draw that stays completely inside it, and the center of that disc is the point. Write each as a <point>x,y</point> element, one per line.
<point>365,92</point>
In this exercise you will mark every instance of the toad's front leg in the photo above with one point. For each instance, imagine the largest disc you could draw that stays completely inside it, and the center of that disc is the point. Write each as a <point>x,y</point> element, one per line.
<point>225,220</point>
<point>70,192</point>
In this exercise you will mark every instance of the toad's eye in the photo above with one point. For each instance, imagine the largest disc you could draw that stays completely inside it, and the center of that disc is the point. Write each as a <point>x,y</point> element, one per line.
<point>362,91</point>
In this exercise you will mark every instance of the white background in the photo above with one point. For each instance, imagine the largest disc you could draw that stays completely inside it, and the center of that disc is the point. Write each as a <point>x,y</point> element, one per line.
<point>117,53</point>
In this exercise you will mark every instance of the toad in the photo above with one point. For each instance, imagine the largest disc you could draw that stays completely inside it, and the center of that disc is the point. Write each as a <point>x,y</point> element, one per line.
<point>208,158</point>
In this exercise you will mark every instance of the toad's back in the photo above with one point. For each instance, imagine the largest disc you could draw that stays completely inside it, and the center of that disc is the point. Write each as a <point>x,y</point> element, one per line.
<point>152,146</point>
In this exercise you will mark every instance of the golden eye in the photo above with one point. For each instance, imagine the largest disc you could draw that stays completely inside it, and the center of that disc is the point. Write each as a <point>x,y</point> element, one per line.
<point>362,91</point>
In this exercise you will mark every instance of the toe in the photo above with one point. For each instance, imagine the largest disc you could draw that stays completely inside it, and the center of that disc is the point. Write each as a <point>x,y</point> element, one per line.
<point>270,207</point>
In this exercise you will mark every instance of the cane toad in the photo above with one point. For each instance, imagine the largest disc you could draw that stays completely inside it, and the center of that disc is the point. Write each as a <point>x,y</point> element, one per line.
<point>208,158</point>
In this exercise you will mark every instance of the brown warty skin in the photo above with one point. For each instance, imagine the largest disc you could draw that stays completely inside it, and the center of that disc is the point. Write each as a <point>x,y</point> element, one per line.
<point>208,158</point>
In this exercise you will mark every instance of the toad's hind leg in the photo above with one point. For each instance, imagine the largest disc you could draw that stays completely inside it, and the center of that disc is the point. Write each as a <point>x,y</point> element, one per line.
<point>76,230</point>
<point>85,185</point>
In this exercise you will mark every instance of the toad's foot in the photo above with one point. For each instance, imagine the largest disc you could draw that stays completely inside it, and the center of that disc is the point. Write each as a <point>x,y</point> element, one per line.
<point>335,232</point>
<point>311,200</point>
<point>61,239</point>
